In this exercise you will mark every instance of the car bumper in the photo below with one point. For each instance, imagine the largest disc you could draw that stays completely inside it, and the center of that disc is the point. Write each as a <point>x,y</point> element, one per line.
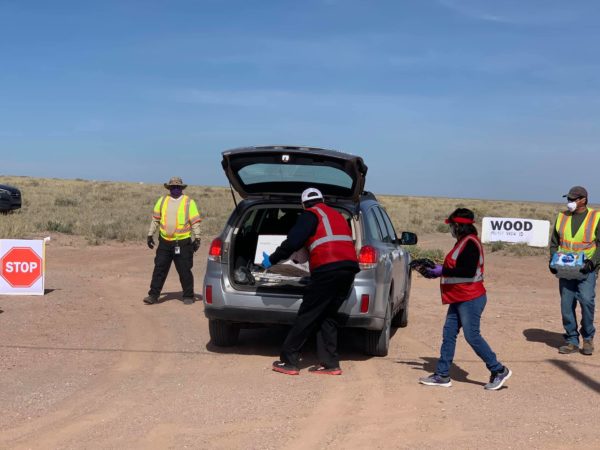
<point>269,317</point>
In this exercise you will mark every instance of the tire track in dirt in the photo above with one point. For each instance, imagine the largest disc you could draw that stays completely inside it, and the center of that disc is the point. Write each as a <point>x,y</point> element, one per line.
<point>359,409</point>
<point>96,402</point>
<point>102,401</point>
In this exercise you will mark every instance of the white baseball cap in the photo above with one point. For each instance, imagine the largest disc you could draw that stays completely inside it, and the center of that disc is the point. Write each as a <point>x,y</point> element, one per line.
<point>311,194</point>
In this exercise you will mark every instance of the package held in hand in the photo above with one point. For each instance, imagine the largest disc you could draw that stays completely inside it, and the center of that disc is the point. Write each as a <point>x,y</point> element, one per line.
<point>568,265</point>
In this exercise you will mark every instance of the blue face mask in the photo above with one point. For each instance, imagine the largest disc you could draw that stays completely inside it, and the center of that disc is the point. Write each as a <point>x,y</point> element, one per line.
<point>176,192</point>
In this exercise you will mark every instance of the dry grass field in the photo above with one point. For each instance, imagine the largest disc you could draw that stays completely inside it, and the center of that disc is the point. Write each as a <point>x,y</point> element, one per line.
<point>119,211</point>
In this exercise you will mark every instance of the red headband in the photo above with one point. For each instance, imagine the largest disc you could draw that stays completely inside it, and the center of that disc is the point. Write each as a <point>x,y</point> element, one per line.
<point>460,220</point>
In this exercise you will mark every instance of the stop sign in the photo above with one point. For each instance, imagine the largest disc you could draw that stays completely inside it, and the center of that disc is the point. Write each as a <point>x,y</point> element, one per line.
<point>21,267</point>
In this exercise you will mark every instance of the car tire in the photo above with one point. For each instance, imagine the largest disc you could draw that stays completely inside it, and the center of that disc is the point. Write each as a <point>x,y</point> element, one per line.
<point>377,342</point>
<point>223,333</point>
<point>400,320</point>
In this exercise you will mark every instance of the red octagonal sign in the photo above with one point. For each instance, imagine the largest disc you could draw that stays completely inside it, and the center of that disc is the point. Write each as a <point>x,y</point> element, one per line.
<point>21,267</point>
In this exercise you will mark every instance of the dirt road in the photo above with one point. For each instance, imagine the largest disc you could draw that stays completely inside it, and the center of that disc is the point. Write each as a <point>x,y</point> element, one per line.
<point>90,366</point>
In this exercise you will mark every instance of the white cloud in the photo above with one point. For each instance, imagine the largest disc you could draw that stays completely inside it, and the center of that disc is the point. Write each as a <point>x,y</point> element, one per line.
<point>516,12</point>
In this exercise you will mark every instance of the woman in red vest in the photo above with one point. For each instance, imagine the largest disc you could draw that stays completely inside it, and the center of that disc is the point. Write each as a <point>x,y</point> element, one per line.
<point>461,282</point>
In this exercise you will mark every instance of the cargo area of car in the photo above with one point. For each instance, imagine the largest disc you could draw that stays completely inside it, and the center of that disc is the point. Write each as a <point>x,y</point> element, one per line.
<point>263,227</point>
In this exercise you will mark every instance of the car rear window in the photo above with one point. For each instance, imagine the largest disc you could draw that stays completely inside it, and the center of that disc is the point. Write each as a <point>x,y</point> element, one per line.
<point>268,173</point>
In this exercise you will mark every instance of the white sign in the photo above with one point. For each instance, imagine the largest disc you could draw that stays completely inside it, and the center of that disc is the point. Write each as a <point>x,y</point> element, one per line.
<point>22,264</point>
<point>269,242</point>
<point>534,233</point>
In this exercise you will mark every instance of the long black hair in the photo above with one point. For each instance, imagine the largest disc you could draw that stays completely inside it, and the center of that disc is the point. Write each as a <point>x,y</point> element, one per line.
<point>463,229</point>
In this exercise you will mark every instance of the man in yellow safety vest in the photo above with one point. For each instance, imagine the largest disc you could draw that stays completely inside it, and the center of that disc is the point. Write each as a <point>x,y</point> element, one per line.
<point>576,231</point>
<point>176,217</point>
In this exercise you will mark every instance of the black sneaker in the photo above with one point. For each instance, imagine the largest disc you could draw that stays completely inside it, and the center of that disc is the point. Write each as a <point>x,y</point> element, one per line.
<point>436,380</point>
<point>188,300</point>
<point>322,370</point>
<point>288,369</point>
<point>497,380</point>
<point>150,300</point>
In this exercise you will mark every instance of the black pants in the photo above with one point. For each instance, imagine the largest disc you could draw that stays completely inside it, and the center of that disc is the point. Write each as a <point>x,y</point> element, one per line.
<point>165,255</point>
<point>320,303</point>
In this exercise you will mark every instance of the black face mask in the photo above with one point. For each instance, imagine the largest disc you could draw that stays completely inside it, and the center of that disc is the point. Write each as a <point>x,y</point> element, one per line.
<point>176,192</point>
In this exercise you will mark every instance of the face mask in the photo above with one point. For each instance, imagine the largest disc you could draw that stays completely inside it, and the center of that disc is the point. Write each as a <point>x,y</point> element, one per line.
<point>176,192</point>
<point>572,206</point>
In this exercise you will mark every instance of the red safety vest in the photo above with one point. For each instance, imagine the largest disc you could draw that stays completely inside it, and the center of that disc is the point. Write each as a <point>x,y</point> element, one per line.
<point>455,289</point>
<point>332,241</point>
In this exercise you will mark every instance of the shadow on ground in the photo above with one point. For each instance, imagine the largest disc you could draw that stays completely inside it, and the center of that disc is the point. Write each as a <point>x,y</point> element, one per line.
<point>267,341</point>
<point>570,369</point>
<point>169,296</point>
<point>550,338</point>
<point>428,366</point>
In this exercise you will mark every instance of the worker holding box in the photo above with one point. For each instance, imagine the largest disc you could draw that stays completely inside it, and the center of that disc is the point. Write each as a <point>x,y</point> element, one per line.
<point>575,261</point>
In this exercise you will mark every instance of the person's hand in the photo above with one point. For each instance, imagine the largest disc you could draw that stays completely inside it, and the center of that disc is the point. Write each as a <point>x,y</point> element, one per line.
<point>550,268</point>
<point>150,242</point>
<point>434,272</point>
<point>266,263</point>
<point>196,244</point>
<point>588,266</point>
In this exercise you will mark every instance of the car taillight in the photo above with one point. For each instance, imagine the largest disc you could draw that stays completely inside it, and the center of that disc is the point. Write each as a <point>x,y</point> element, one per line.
<point>367,257</point>
<point>214,253</point>
<point>364,303</point>
<point>208,294</point>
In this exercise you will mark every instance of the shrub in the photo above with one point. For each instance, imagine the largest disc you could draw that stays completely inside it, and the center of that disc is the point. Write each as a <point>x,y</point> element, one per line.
<point>435,254</point>
<point>442,228</point>
<point>65,201</point>
<point>496,246</point>
<point>60,227</point>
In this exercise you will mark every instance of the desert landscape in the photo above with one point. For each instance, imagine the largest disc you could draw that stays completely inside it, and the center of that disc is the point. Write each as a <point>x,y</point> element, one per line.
<point>88,365</point>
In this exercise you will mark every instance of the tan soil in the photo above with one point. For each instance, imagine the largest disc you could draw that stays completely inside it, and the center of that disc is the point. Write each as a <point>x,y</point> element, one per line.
<point>90,366</point>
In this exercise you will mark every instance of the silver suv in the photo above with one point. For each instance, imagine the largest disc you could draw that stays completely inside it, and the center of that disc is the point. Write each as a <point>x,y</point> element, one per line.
<point>239,293</point>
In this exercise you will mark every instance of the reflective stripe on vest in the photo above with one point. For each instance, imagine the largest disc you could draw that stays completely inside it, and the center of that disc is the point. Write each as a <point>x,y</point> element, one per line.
<point>330,237</point>
<point>585,238</point>
<point>183,227</point>
<point>454,256</point>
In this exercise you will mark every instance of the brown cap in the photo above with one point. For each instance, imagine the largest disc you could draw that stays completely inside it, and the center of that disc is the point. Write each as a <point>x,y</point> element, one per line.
<point>175,181</point>
<point>577,192</point>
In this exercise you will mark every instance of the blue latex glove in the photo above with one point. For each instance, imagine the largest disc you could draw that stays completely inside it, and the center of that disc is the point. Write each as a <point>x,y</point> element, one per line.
<point>266,263</point>
<point>434,272</point>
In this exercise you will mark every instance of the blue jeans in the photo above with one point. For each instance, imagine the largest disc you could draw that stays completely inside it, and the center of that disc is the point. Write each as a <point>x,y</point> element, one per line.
<point>468,316</point>
<point>583,291</point>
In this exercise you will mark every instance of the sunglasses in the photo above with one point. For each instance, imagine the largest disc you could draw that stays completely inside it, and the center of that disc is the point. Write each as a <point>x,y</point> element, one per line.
<point>573,199</point>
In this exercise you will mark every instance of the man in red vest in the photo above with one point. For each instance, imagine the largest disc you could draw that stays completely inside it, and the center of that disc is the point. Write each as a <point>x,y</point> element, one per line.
<point>461,282</point>
<point>325,233</point>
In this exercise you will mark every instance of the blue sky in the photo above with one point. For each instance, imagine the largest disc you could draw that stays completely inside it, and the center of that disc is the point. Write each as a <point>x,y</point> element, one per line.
<point>454,98</point>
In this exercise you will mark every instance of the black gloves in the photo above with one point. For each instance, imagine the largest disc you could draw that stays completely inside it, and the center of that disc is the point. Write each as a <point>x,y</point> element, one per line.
<point>552,269</point>
<point>588,266</point>
<point>150,242</point>
<point>196,244</point>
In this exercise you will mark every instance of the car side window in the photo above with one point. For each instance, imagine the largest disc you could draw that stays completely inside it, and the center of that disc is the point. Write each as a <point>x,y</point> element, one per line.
<point>388,224</point>
<point>373,231</point>
<point>386,237</point>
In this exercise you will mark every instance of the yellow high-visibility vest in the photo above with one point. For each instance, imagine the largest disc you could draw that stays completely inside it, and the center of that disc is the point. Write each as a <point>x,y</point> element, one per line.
<point>585,238</point>
<point>187,215</point>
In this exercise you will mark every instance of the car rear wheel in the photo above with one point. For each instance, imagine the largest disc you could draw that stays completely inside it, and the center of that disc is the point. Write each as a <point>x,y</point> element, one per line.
<point>377,342</point>
<point>223,333</point>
